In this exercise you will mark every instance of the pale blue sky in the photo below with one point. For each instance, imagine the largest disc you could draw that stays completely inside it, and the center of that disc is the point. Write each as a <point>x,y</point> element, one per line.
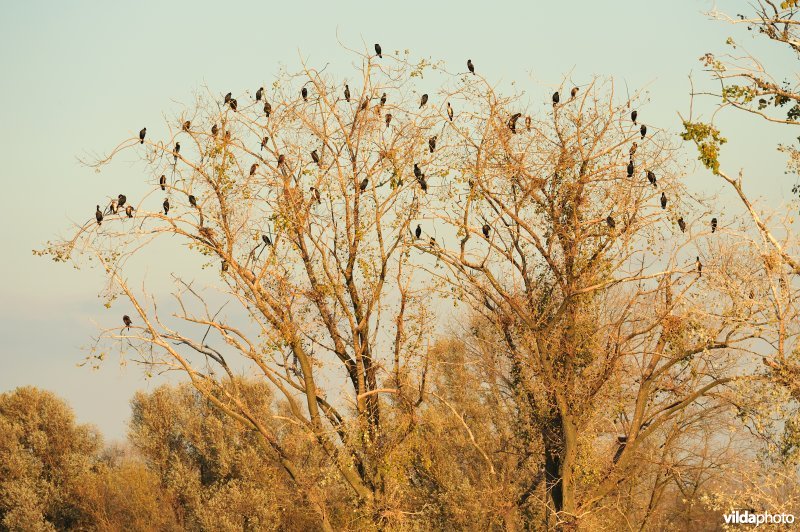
<point>78,76</point>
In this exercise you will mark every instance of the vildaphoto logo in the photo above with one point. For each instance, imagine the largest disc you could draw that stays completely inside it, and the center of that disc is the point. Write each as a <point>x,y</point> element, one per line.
<point>749,517</point>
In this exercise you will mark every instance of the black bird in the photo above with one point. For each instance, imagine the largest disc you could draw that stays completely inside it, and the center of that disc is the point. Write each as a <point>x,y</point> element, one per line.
<point>383,99</point>
<point>423,100</point>
<point>266,240</point>
<point>166,206</point>
<point>228,98</point>
<point>486,229</point>
<point>378,50</point>
<point>634,114</point>
<point>663,201</point>
<point>388,119</point>
<point>347,92</point>
<point>316,194</point>
<point>315,156</point>
<point>470,66</point>
<point>363,185</point>
<point>163,182</point>
<point>556,97</point>
<point>633,149</point>
<point>234,104</point>
<point>418,231</point>
<point>512,122</point>
<point>417,172</point>
<point>432,143</point>
<point>643,130</point>
<point>113,207</point>
<point>259,94</point>
<point>267,109</point>
<point>224,266</point>
<point>253,169</point>
<point>528,123</point>
<point>610,221</point>
<point>214,130</point>
<point>192,200</point>
<point>264,143</point>
<point>281,159</point>
<point>176,150</point>
<point>127,321</point>
<point>304,94</point>
<point>573,92</point>
<point>420,178</point>
<point>142,133</point>
<point>630,168</point>
<point>682,224</point>
<point>364,104</point>
<point>187,125</point>
<point>652,178</point>
<point>699,266</point>
<point>129,211</point>
<point>98,214</point>
<point>713,225</point>
<point>449,111</point>
<point>121,199</point>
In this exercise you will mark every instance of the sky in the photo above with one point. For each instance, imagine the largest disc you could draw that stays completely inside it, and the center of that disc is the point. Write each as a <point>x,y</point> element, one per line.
<point>77,77</point>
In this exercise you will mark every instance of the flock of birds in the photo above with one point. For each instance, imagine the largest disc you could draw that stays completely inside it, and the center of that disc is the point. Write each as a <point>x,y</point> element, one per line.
<point>121,202</point>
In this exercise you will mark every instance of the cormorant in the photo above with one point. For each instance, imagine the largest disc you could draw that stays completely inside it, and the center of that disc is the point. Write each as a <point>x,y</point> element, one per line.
<point>187,125</point>
<point>423,100</point>
<point>486,229</point>
<point>388,119</point>
<point>127,321</point>
<point>315,156</point>
<point>364,183</point>
<point>224,266</point>
<point>652,178</point>
<point>214,130</point>
<point>634,114</point>
<point>253,169</point>
<point>142,133</point>
<point>632,151</point>
<point>449,111</point>
<point>699,266</point>
<point>663,201</point>
<point>682,224</point>
<point>129,211</point>
<point>304,94</point>
<point>556,97</point>
<point>264,143</point>
<point>163,182</point>
<point>470,66</point>
<point>234,104</point>
<point>713,225</point>
<point>610,221</point>
<point>573,92</point>
<point>267,109</point>
<point>432,143</point>
<point>281,159</point>
<point>121,199</point>
<point>228,98</point>
<point>643,130</point>
<point>316,195</point>
<point>347,92</point>
<point>266,240</point>
<point>378,50</point>
<point>528,123</point>
<point>192,200</point>
<point>176,150</point>
<point>383,99</point>
<point>630,168</point>
<point>166,206</point>
<point>112,208</point>
<point>259,94</point>
<point>512,122</point>
<point>98,214</point>
<point>418,231</point>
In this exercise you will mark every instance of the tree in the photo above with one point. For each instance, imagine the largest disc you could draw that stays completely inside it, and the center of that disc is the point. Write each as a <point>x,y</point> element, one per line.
<point>43,456</point>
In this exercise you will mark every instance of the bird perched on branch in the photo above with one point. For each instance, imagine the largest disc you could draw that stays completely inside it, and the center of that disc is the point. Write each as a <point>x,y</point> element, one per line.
<point>378,50</point>
<point>163,182</point>
<point>663,201</point>
<point>652,178</point>
<point>127,321</point>
<point>420,176</point>
<point>432,143</point>
<point>634,114</point>
<point>98,215</point>
<point>630,168</point>
<point>713,225</point>
<point>121,199</point>
<point>449,111</point>
<point>129,211</point>
<point>699,266</point>
<point>264,142</point>
<point>470,66</point>
<point>259,94</point>
<point>512,122</point>
<point>267,109</point>
<point>187,125</point>
<point>142,133</point>
<point>316,194</point>
<point>383,99</point>
<point>423,100</point>
<point>166,206</point>
<point>610,221</point>
<point>234,104</point>
<point>556,98</point>
<point>682,225</point>
<point>214,130</point>
<point>528,123</point>
<point>573,92</point>
<point>304,94</point>
<point>228,98</point>
<point>253,169</point>
<point>418,231</point>
<point>486,230</point>
<point>176,150</point>
<point>315,156</point>
<point>643,130</point>
<point>363,185</point>
<point>192,201</point>
<point>347,92</point>
<point>388,119</point>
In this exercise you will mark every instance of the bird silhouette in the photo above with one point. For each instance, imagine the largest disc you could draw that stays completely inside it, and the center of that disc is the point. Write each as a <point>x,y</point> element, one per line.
<point>643,130</point>
<point>383,99</point>
<point>129,211</point>
<point>259,94</point>
<point>528,123</point>
<point>486,230</point>
<point>418,231</point>
<point>112,208</point>
<point>264,142</point>
<point>281,159</point>
<point>449,111</point>
<point>98,215</point>
<point>228,98</point>
<point>699,266</point>
<point>176,150</point>
<point>364,103</point>
<point>652,178</point>
<point>470,66</point>
<point>163,182</point>
<point>347,93</point>
<point>633,149</point>
<point>304,94</point>
<point>253,169</point>
<point>234,104</point>
<point>556,98</point>
<point>266,240</point>
<point>315,156</point>
<point>187,125</point>
<point>388,119</point>
<point>423,100</point>
<point>663,201</point>
<point>630,168</point>
<point>166,206</point>
<point>432,143</point>
<point>634,114</point>
<point>420,176</point>
<point>378,50</point>
<point>127,321</point>
<point>610,221</point>
<point>573,92</point>
<point>363,185</point>
<point>713,225</point>
<point>121,199</point>
<point>682,224</point>
<point>192,200</point>
<point>224,266</point>
<point>512,122</point>
<point>142,133</point>
<point>267,109</point>
<point>214,130</point>
<point>316,195</point>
